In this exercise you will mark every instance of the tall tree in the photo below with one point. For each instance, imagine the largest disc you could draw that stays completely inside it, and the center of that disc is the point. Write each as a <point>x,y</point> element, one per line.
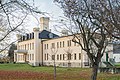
<point>105,12</point>
<point>91,26</point>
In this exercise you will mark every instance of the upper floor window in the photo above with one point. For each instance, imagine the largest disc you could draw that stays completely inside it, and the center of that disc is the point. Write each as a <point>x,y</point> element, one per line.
<point>69,43</point>
<point>47,46</point>
<point>25,46</point>
<point>60,44</point>
<point>57,44</point>
<point>53,45</point>
<point>28,46</point>
<point>32,45</point>
<point>63,44</point>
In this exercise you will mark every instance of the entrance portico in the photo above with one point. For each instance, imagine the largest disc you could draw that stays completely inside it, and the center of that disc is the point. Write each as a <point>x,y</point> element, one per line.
<point>20,56</point>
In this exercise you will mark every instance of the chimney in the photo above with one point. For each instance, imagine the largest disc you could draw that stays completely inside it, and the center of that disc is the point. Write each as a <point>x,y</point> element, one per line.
<point>44,23</point>
<point>64,32</point>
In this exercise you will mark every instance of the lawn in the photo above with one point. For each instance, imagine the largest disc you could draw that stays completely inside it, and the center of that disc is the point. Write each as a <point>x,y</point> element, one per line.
<point>117,64</point>
<point>27,72</point>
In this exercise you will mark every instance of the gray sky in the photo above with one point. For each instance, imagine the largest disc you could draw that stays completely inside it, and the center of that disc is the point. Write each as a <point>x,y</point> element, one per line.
<point>46,6</point>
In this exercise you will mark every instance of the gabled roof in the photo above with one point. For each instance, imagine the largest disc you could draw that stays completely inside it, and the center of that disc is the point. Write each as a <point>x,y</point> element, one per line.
<point>47,35</point>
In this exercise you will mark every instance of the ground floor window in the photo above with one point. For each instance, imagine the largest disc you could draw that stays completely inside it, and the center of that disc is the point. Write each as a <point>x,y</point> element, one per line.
<point>53,57</point>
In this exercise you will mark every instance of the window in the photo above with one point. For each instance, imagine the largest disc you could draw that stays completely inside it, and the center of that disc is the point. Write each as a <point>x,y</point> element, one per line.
<point>45,56</point>
<point>63,57</point>
<point>32,45</point>
<point>47,46</point>
<point>53,45</point>
<point>25,46</point>
<point>79,56</point>
<point>23,57</point>
<point>28,46</point>
<point>63,44</point>
<point>57,57</point>
<point>18,58</point>
<point>53,57</point>
<point>57,44</point>
<point>28,56</point>
<point>32,35</point>
<point>60,56</point>
<point>32,56</point>
<point>75,56</point>
<point>69,56</point>
<point>60,44</point>
<point>69,43</point>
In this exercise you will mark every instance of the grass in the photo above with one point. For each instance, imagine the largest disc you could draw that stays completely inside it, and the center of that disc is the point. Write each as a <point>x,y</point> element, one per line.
<point>27,72</point>
<point>117,64</point>
<point>26,67</point>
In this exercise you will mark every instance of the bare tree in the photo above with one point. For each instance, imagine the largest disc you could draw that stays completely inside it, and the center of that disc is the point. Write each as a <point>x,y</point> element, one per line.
<point>104,12</point>
<point>13,14</point>
<point>107,13</point>
<point>54,52</point>
<point>68,56</point>
<point>89,29</point>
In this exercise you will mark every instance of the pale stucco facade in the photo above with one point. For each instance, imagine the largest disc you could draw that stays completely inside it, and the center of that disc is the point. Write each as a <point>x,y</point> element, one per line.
<point>61,48</point>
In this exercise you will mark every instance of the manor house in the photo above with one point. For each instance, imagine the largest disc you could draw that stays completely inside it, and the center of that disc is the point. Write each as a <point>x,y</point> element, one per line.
<point>42,47</point>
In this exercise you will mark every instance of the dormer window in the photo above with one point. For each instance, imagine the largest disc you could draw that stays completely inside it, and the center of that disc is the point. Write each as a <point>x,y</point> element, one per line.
<point>30,36</point>
<point>27,36</point>
<point>50,35</point>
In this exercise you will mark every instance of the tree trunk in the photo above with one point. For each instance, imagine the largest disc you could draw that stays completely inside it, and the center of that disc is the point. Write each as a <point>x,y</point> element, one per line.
<point>94,72</point>
<point>54,70</point>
